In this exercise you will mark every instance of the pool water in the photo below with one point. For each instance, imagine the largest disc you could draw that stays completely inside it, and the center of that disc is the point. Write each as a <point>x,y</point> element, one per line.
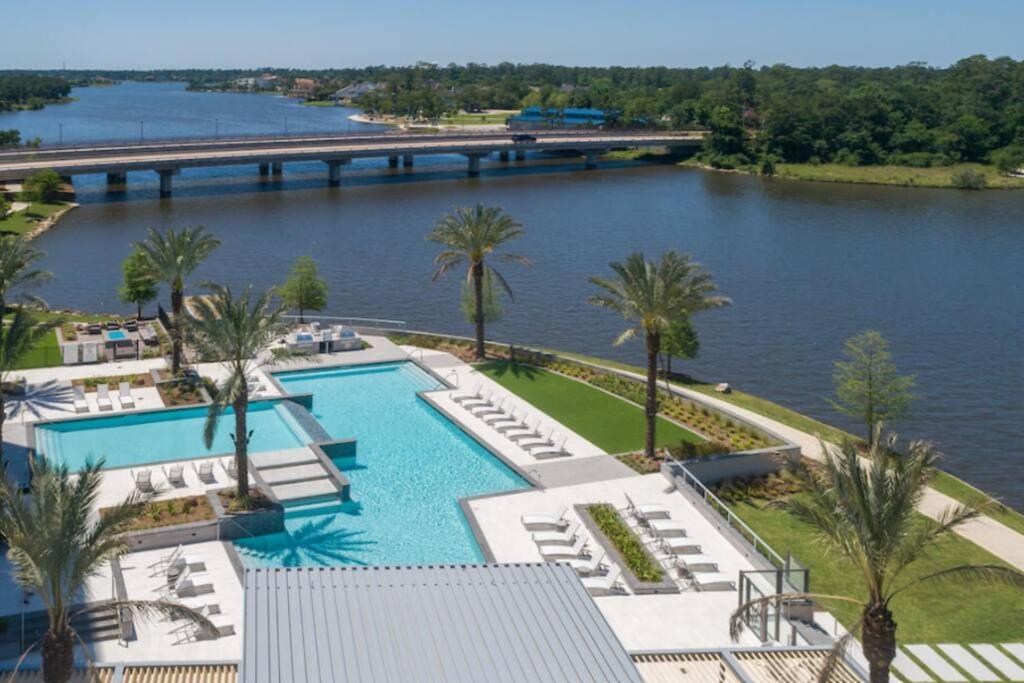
<point>411,468</point>
<point>115,335</point>
<point>135,439</point>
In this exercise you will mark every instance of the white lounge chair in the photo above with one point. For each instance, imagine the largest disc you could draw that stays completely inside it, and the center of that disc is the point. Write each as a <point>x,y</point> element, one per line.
<point>483,400</point>
<point>78,395</point>
<point>488,410</point>
<point>522,430</point>
<point>175,475</point>
<point>594,566</point>
<point>222,625</point>
<point>567,537</point>
<point>187,583</point>
<point>679,545</point>
<point>124,395</point>
<point>528,444</point>
<point>177,558</point>
<point>551,451</point>
<point>205,472</point>
<point>604,585</point>
<point>502,418</point>
<point>647,511</point>
<point>143,480</point>
<point>103,397</point>
<point>462,396</point>
<point>558,552</point>
<point>694,564</point>
<point>557,521</point>
<point>666,527</point>
<point>229,468</point>
<point>717,581</point>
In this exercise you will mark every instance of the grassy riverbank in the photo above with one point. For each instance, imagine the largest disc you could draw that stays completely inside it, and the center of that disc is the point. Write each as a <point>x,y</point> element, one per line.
<point>22,222</point>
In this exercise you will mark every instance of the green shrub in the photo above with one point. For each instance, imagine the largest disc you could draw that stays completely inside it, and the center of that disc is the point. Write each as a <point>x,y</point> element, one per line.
<point>630,548</point>
<point>969,179</point>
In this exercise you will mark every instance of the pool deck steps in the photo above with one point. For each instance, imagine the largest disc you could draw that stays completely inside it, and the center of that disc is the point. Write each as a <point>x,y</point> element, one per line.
<point>295,475</point>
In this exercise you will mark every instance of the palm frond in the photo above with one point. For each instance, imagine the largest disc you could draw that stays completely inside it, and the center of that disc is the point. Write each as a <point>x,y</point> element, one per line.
<point>991,574</point>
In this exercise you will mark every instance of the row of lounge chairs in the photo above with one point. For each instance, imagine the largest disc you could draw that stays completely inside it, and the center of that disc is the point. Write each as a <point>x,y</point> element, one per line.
<point>560,542</point>
<point>512,423</point>
<point>103,400</point>
<point>188,583</point>
<point>175,474</point>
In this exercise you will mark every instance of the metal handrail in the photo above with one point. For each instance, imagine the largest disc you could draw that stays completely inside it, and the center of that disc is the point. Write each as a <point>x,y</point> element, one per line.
<point>351,320</point>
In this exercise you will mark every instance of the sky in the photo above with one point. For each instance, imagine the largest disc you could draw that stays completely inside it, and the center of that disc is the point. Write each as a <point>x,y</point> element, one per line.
<point>122,34</point>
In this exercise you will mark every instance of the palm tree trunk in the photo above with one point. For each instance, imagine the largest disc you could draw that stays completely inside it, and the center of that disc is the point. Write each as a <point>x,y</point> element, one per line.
<point>651,406</point>
<point>302,316</point>
<point>138,312</point>
<point>478,293</point>
<point>879,634</point>
<point>177,298</point>
<point>58,656</point>
<point>3,416</point>
<point>240,406</point>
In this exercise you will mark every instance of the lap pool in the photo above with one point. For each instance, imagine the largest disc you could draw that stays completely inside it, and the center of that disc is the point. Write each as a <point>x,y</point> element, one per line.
<point>134,439</point>
<point>412,467</point>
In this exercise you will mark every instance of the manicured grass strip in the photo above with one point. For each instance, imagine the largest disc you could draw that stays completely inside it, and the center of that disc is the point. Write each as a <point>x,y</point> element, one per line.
<point>930,613</point>
<point>632,551</point>
<point>965,493</point>
<point>937,176</point>
<point>24,221</point>
<point>46,353</point>
<point>610,423</point>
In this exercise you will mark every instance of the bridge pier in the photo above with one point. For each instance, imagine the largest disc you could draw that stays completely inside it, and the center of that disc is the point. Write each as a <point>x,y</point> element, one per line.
<point>264,169</point>
<point>503,156</point>
<point>407,160</point>
<point>392,162</point>
<point>166,174</point>
<point>117,178</point>
<point>277,168</point>
<point>334,167</point>
<point>473,166</point>
<point>591,158</point>
<point>520,156</point>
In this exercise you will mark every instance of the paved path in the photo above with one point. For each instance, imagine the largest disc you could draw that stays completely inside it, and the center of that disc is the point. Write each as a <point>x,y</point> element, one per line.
<point>998,539</point>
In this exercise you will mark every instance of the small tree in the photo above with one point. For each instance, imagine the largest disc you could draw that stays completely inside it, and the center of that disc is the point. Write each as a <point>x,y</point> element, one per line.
<point>5,207</point>
<point>680,341</point>
<point>41,186</point>
<point>139,287</point>
<point>868,386</point>
<point>304,289</point>
<point>492,304</point>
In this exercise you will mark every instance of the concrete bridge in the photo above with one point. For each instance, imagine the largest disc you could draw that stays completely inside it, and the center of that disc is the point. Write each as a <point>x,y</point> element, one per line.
<point>168,157</point>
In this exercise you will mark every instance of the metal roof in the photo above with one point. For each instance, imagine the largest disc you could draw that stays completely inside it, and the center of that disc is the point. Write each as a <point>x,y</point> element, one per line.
<point>452,623</point>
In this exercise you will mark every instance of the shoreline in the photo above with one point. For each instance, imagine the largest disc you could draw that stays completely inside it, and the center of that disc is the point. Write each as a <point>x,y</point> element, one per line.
<point>50,221</point>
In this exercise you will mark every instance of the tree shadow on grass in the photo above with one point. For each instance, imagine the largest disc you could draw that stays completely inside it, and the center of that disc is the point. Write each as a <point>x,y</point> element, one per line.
<point>500,368</point>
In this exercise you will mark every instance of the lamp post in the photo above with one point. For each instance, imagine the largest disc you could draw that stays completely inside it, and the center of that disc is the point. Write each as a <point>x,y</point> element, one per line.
<point>60,134</point>
<point>141,131</point>
<point>216,128</point>
<point>286,125</point>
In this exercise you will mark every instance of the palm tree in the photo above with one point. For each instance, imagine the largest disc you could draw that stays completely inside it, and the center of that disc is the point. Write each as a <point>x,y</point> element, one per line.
<point>235,332</point>
<point>654,295</point>
<point>57,543</point>
<point>173,256</point>
<point>865,509</point>
<point>471,235</point>
<point>17,267</point>
<point>16,338</point>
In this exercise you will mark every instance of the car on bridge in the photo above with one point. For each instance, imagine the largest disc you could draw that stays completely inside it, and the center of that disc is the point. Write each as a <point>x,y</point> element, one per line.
<point>521,138</point>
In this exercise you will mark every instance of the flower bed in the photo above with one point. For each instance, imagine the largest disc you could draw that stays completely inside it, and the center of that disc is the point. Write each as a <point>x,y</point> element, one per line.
<point>162,513</point>
<point>630,548</point>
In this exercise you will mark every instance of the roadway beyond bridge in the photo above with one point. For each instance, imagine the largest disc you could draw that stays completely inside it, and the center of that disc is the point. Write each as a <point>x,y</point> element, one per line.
<point>168,157</point>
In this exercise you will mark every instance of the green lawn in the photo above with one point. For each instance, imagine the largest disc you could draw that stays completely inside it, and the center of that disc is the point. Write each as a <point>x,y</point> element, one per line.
<point>938,176</point>
<point>317,103</point>
<point>44,354</point>
<point>939,612</point>
<point>474,119</point>
<point>24,221</point>
<point>610,423</point>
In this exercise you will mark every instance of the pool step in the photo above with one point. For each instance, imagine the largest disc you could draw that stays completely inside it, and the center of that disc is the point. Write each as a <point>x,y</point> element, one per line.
<point>290,474</point>
<point>274,459</point>
<point>314,488</point>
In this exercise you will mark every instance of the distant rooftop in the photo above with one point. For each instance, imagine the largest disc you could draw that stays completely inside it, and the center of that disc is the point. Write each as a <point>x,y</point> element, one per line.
<point>454,623</point>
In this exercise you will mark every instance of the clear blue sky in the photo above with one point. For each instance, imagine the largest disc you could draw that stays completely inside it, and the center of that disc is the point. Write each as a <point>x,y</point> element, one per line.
<point>327,33</point>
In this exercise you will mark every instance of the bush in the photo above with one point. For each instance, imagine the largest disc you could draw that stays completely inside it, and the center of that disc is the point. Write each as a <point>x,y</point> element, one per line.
<point>969,179</point>
<point>630,548</point>
<point>41,186</point>
<point>768,164</point>
<point>1009,159</point>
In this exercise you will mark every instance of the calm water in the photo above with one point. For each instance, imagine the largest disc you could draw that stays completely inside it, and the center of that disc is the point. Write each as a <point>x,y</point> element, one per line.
<point>807,265</point>
<point>411,468</point>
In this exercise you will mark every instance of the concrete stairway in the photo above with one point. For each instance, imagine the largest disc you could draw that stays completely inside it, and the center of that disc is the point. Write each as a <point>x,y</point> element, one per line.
<point>295,475</point>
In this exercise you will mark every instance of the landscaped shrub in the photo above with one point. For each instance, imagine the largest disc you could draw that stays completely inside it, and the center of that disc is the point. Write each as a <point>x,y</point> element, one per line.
<point>969,179</point>
<point>781,484</point>
<point>628,544</point>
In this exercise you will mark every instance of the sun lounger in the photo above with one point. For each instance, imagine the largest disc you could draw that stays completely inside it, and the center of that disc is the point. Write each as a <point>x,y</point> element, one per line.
<point>177,558</point>
<point>604,585</point>
<point>717,581</point>
<point>143,480</point>
<point>647,511</point>
<point>557,521</point>
<point>594,566</point>
<point>483,400</point>
<point>175,475</point>
<point>229,467</point>
<point>187,583</point>
<point>558,552</point>
<point>124,395</point>
<point>78,395</point>
<point>521,431</point>
<point>666,527</point>
<point>536,442</point>
<point>462,396</point>
<point>678,545</point>
<point>693,564</point>
<point>103,397</point>
<point>567,537</point>
<point>502,418</point>
<point>545,452</point>
<point>205,472</point>
<point>489,409</point>
<point>220,625</point>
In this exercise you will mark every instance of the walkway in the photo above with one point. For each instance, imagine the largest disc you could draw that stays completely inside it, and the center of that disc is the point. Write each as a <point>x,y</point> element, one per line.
<point>996,538</point>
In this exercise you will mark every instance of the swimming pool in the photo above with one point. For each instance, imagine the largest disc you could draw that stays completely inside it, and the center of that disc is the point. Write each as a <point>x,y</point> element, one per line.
<point>116,335</point>
<point>412,467</point>
<point>135,439</point>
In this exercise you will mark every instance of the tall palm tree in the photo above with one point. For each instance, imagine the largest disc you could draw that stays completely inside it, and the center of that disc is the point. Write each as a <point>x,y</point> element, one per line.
<point>653,295</point>
<point>235,332</point>
<point>57,543</point>
<point>865,509</point>
<point>17,267</point>
<point>16,338</point>
<point>471,235</point>
<point>173,256</point>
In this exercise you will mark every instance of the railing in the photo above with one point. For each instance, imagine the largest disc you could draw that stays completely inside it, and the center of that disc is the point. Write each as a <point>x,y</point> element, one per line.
<point>353,321</point>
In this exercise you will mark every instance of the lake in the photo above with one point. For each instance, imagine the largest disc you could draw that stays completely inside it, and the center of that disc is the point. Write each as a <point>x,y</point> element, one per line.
<point>938,272</point>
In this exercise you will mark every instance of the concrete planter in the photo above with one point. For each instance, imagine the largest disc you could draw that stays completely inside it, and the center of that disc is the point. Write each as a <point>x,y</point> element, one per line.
<point>666,585</point>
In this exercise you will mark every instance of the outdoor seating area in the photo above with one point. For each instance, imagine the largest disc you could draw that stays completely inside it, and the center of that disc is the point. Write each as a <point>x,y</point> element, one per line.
<point>316,338</point>
<point>514,420</point>
<point>109,341</point>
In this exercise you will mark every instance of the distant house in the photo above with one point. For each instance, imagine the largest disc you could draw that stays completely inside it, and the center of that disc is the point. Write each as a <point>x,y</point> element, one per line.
<point>573,117</point>
<point>303,87</point>
<point>254,82</point>
<point>354,90</point>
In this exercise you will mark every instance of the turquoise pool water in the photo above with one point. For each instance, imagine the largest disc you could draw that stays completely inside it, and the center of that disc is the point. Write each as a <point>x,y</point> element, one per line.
<point>138,438</point>
<point>115,335</point>
<point>411,468</point>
